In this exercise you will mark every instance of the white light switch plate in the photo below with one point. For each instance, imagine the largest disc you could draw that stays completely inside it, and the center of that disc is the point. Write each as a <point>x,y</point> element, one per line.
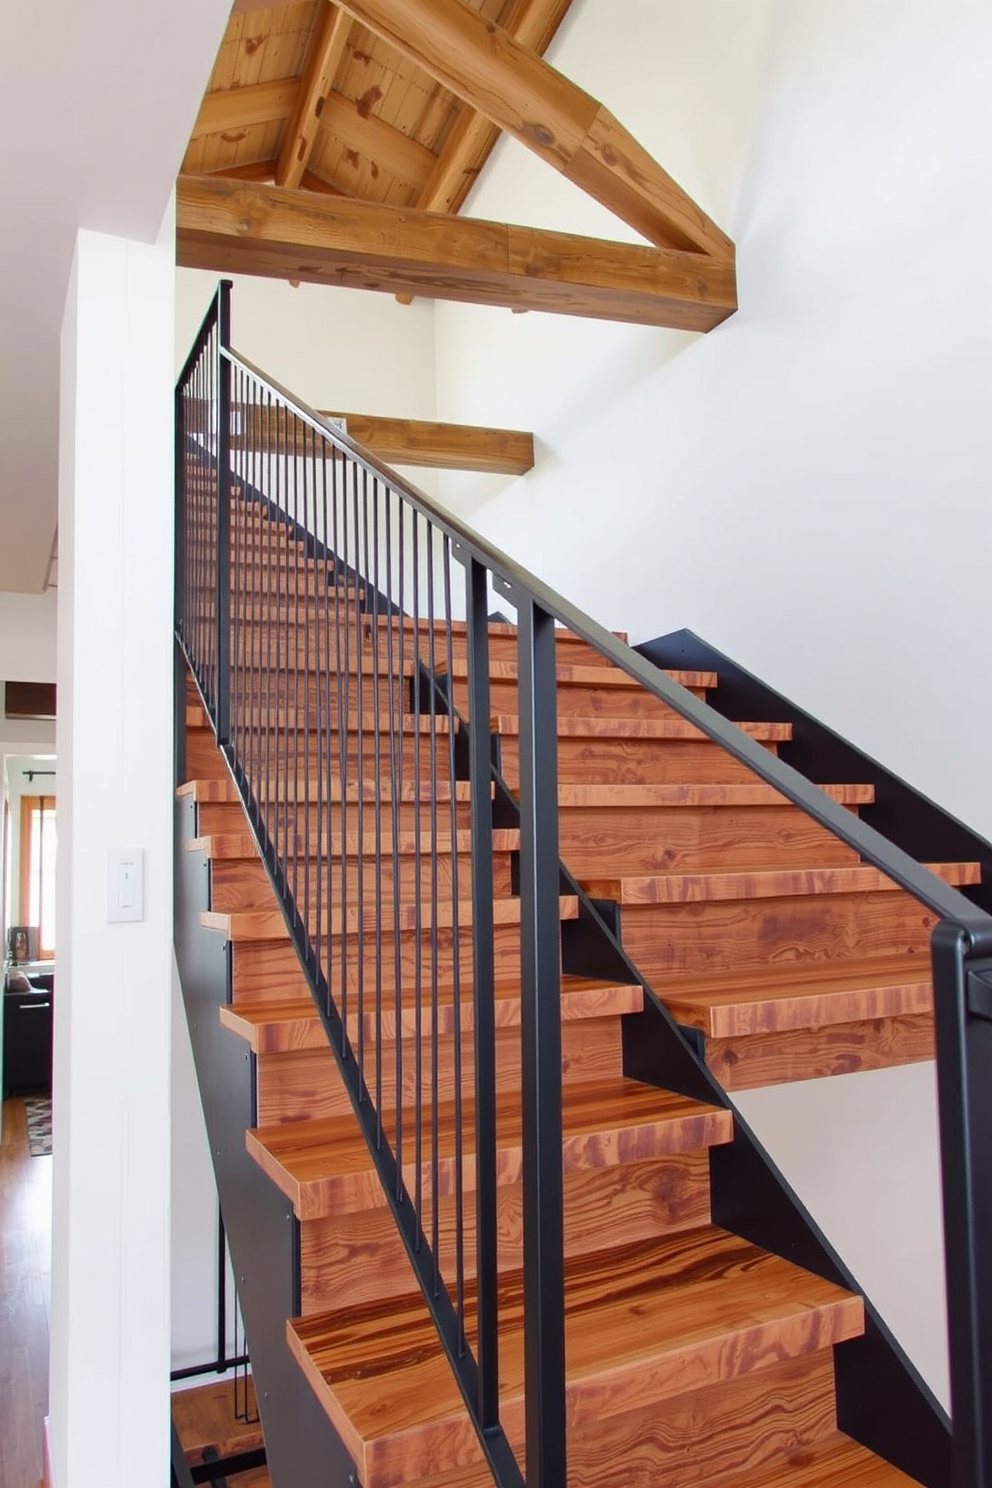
<point>125,884</point>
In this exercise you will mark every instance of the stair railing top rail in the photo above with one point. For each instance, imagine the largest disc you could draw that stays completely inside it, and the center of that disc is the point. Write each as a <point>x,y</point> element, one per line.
<point>927,887</point>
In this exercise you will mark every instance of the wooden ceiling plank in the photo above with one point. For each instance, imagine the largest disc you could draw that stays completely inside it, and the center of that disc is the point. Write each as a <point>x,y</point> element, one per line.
<point>437,446</point>
<point>517,90</point>
<point>238,108</point>
<point>389,148</point>
<point>533,23</point>
<point>230,226</point>
<point>329,47</point>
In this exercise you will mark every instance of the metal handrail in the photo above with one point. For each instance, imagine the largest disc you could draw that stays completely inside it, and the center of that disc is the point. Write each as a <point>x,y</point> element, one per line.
<point>927,887</point>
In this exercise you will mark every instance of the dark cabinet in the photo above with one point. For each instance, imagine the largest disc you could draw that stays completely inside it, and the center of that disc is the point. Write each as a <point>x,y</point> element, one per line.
<point>27,1041</point>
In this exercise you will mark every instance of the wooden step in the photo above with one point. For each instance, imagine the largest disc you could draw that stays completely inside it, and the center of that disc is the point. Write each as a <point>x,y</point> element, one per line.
<point>809,995</point>
<point>206,1421</point>
<point>324,1167</point>
<point>281,1027</point>
<point>296,791</point>
<point>642,890</point>
<point>369,724</point>
<point>837,1462</point>
<point>636,751</point>
<point>641,1321</point>
<point>240,846</point>
<point>265,924</point>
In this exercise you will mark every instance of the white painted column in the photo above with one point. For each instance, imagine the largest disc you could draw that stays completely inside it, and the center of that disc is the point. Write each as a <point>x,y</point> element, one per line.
<point>110,1326</point>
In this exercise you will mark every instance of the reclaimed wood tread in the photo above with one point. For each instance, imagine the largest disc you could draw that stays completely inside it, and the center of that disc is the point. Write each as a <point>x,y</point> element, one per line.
<point>811,995</point>
<point>410,723</point>
<point>606,727</point>
<point>279,1027</point>
<point>835,1462</point>
<point>205,1420</point>
<point>324,1167</point>
<point>497,628</point>
<point>241,846</point>
<point>269,924</point>
<point>648,889</point>
<point>569,674</point>
<point>628,797</point>
<point>643,1323</point>
<point>223,789</point>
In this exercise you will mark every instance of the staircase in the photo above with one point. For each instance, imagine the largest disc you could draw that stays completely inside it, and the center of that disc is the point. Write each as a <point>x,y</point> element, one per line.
<point>371,832</point>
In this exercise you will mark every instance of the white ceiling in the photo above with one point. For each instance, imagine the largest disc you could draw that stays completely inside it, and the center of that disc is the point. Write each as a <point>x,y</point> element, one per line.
<point>97,100</point>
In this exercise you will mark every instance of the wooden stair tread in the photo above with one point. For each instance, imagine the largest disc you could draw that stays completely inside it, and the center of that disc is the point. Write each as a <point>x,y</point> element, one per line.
<point>811,994</point>
<point>575,674</point>
<point>279,1027</point>
<point>674,796</point>
<point>605,727</point>
<point>685,888</point>
<point>205,1420</point>
<point>324,1165</point>
<point>223,789</point>
<point>269,924</point>
<point>835,1462</point>
<point>240,846</point>
<point>495,628</point>
<point>410,723</point>
<point>642,1322</point>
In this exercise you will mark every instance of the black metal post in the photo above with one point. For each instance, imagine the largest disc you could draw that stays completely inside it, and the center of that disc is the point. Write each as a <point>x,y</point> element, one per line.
<point>540,945</point>
<point>181,457</point>
<point>223,617</point>
<point>221,1294</point>
<point>962,985</point>
<point>484,991</point>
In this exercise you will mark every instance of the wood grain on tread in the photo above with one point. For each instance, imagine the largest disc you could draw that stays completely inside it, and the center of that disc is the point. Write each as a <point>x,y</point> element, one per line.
<point>775,1000</point>
<point>643,728</point>
<point>837,1462</point>
<point>279,790</point>
<point>635,762</point>
<point>812,1054</point>
<point>361,1256</point>
<point>683,888</point>
<point>645,797</point>
<point>266,924</point>
<point>241,845</point>
<point>747,934</point>
<point>325,1167</point>
<point>604,675</point>
<point>304,1085</point>
<point>644,1323</point>
<point>278,1026</point>
<point>205,1418</point>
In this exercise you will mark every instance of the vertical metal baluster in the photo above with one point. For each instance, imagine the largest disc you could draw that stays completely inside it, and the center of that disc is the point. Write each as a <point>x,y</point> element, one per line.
<point>268,623</point>
<point>396,701</point>
<point>251,599</point>
<point>377,766</point>
<point>360,760</point>
<point>321,451</point>
<point>435,1122</point>
<point>240,538</point>
<point>418,922</point>
<point>483,991</point>
<point>309,662</point>
<point>544,1267</point>
<point>294,674</point>
<point>223,516</point>
<point>341,605</point>
<point>338,490</point>
<point>455,954</point>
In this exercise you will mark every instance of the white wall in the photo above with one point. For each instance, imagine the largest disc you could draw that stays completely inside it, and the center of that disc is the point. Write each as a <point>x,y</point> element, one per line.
<point>807,487</point>
<point>110,1317</point>
<point>27,637</point>
<point>338,349</point>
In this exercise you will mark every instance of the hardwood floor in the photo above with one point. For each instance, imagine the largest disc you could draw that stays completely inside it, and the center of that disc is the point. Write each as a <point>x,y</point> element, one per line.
<point>25,1300</point>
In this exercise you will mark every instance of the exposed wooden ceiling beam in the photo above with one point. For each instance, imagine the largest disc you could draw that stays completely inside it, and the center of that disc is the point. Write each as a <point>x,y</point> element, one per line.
<point>323,65</point>
<point>237,108</point>
<point>533,23</point>
<point>230,226</point>
<point>485,66</point>
<point>442,446</point>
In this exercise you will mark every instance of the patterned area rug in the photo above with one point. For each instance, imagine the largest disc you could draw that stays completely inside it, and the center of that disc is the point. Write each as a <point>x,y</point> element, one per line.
<point>39,1114</point>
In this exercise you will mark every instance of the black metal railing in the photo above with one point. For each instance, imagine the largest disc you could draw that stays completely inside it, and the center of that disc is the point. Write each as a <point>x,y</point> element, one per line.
<point>336,622</point>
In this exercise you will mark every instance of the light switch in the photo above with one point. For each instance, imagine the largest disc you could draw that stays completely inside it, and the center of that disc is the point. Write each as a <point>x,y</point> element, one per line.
<point>125,884</point>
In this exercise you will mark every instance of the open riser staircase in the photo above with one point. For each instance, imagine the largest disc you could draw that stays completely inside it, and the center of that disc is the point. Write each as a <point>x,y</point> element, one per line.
<point>503,921</point>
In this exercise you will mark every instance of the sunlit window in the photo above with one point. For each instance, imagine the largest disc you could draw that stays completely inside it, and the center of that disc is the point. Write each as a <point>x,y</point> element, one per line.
<point>38,844</point>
